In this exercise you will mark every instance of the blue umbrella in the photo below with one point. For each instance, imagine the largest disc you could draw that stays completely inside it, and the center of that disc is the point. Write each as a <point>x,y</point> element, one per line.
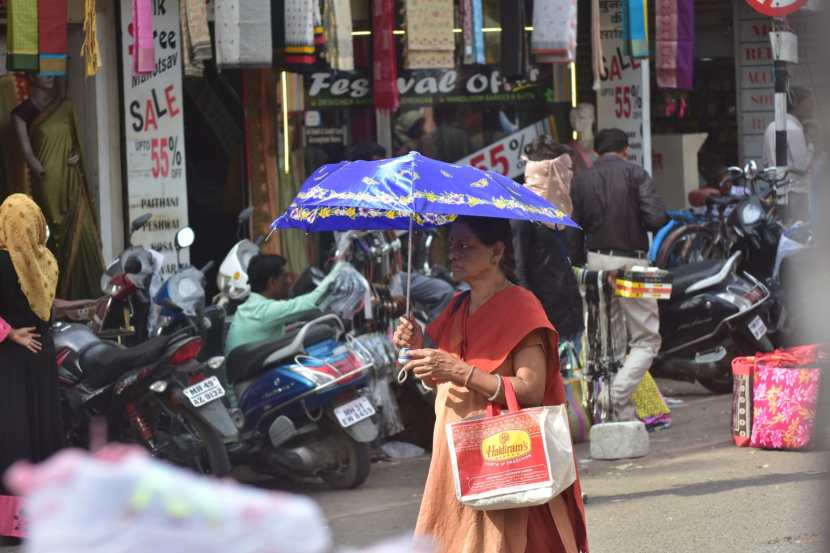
<point>407,192</point>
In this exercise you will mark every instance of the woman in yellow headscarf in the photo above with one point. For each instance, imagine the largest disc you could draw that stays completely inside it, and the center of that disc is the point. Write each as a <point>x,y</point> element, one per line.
<point>30,415</point>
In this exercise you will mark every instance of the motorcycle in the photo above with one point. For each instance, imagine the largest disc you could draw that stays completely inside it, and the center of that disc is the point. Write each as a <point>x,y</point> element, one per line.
<point>155,394</point>
<point>304,404</point>
<point>714,314</point>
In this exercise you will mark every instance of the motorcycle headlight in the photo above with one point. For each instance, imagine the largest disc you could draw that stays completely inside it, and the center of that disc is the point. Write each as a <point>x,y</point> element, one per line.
<point>750,213</point>
<point>187,287</point>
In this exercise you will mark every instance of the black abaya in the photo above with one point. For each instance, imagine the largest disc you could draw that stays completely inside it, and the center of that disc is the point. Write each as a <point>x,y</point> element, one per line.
<point>30,414</point>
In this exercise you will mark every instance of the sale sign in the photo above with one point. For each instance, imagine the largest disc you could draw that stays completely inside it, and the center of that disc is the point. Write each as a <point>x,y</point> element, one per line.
<point>154,128</point>
<point>620,99</point>
<point>505,156</point>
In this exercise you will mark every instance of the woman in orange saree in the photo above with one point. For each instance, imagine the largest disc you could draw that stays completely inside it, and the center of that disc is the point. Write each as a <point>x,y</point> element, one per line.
<point>496,331</point>
<point>48,134</point>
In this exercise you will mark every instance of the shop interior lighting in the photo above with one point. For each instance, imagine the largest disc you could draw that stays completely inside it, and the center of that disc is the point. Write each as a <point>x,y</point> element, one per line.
<point>403,32</point>
<point>284,80</point>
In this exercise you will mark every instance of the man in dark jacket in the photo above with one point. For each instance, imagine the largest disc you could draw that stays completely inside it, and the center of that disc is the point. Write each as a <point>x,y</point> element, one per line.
<point>542,263</point>
<point>616,204</point>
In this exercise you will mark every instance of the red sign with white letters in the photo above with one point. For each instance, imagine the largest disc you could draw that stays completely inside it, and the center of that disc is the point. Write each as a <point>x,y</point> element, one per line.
<point>776,8</point>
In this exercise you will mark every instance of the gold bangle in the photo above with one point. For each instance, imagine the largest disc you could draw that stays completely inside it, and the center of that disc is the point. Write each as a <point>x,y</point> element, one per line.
<point>469,376</point>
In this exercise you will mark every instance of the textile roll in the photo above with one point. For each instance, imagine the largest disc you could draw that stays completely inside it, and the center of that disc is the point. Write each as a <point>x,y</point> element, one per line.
<point>596,46</point>
<point>52,37</point>
<point>675,43</point>
<point>196,47</point>
<point>430,43</point>
<point>337,19</point>
<point>22,36</point>
<point>513,43</point>
<point>635,27</point>
<point>478,33</point>
<point>144,54</point>
<point>554,31</point>
<point>385,84</point>
<point>243,34</point>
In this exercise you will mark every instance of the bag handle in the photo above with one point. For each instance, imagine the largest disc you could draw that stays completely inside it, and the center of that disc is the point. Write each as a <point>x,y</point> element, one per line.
<point>510,396</point>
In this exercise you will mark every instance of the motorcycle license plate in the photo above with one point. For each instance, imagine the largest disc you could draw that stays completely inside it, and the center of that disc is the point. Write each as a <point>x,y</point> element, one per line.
<point>204,392</point>
<point>353,412</point>
<point>757,328</point>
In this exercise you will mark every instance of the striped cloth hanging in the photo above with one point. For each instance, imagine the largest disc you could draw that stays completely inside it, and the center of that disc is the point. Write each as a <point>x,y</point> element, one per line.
<point>53,24</point>
<point>675,43</point>
<point>635,28</point>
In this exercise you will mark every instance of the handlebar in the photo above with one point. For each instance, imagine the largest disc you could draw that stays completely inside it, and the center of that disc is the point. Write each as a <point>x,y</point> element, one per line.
<point>208,266</point>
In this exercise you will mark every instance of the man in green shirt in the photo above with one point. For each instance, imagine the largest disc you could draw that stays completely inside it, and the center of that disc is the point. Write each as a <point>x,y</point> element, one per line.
<point>261,316</point>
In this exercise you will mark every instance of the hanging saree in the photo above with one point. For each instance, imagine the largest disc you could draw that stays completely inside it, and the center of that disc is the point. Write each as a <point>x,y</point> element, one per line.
<point>196,46</point>
<point>675,43</point>
<point>337,22</point>
<point>554,31</point>
<point>513,41</point>
<point>430,43</point>
<point>53,25</point>
<point>635,28</point>
<point>144,53</point>
<point>293,24</point>
<point>385,91</point>
<point>14,90</point>
<point>63,195</point>
<point>478,33</point>
<point>22,36</point>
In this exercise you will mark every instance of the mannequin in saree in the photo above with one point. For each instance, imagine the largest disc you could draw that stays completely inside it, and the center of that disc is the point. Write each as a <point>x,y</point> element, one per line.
<point>582,121</point>
<point>47,130</point>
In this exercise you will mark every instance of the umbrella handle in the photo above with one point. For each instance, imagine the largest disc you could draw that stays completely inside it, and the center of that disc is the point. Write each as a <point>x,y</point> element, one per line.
<point>409,270</point>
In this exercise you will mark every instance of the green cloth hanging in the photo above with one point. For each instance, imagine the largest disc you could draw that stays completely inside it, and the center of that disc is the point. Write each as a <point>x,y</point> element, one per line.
<point>22,39</point>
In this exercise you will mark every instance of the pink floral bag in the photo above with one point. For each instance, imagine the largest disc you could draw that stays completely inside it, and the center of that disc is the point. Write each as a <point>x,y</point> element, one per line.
<point>784,403</point>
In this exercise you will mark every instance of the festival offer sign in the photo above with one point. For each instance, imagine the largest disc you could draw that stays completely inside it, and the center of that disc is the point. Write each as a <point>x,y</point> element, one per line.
<point>620,97</point>
<point>154,129</point>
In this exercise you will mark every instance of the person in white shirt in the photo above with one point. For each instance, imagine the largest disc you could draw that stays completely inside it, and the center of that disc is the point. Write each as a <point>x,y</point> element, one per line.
<point>800,108</point>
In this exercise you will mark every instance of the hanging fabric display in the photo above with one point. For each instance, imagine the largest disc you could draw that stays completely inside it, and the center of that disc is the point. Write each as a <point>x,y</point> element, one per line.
<point>478,33</point>
<point>22,36</point>
<point>196,46</point>
<point>430,43</point>
<point>89,49</point>
<point>635,28</point>
<point>466,13</point>
<point>144,54</point>
<point>596,46</point>
<point>337,21</point>
<point>385,83</point>
<point>53,23</point>
<point>675,43</point>
<point>554,31</point>
<point>320,45</point>
<point>293,28</point>
<point>243,33</point>
<point>513,42</point>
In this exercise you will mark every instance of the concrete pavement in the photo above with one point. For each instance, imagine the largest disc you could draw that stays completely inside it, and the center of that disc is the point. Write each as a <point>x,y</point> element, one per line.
<point>694,493</point>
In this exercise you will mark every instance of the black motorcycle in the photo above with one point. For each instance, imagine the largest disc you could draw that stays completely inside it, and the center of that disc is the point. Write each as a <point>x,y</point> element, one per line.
<point>155,394</point>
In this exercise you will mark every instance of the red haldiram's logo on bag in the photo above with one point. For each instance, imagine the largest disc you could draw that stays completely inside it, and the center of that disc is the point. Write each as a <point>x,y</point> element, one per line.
<point>506,446</point>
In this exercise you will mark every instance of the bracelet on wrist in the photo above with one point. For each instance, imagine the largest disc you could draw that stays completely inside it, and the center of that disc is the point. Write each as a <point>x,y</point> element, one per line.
<point>469,376</point>
<point>498,389</point>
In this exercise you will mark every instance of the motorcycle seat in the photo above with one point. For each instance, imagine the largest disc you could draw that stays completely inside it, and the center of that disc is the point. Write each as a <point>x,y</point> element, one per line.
<point>686,275</point>
<point>249,360</point>
<point>103,362</point>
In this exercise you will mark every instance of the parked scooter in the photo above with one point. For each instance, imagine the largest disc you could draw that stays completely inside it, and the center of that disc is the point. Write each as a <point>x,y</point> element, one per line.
<point>155,394</point>
<point>303,398</point>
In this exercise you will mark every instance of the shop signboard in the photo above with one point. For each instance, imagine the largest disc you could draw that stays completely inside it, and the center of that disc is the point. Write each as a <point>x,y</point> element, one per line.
<point>154,133</point>
<point>622,100</point>
<point>505,155</point>
<point>430,87</point>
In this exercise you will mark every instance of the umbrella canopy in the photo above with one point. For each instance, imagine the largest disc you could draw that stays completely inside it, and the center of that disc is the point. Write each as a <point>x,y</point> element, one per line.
<point>406,191</point>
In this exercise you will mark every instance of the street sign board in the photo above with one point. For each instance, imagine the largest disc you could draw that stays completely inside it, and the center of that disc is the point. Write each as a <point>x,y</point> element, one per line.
<point>776,8</point>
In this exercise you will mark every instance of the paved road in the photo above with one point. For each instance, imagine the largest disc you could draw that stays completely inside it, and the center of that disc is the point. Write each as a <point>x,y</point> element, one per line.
<point>694,493</point>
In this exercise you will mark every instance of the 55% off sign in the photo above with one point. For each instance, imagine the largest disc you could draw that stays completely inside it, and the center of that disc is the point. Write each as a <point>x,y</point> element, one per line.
<point>165,157</point>
<point>505,155</point>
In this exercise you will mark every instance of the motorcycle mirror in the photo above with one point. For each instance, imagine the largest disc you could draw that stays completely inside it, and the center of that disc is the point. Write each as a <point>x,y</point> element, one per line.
<point>185,238</point>
<point>751,169</point>
<point>140,222</point>
<point>246,214</point>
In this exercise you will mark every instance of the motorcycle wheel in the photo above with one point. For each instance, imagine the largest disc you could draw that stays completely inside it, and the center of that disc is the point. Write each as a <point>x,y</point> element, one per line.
<point>214,458</point>
<point>689,244</point>
<point>353,462</point>
<point>723,383</point>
